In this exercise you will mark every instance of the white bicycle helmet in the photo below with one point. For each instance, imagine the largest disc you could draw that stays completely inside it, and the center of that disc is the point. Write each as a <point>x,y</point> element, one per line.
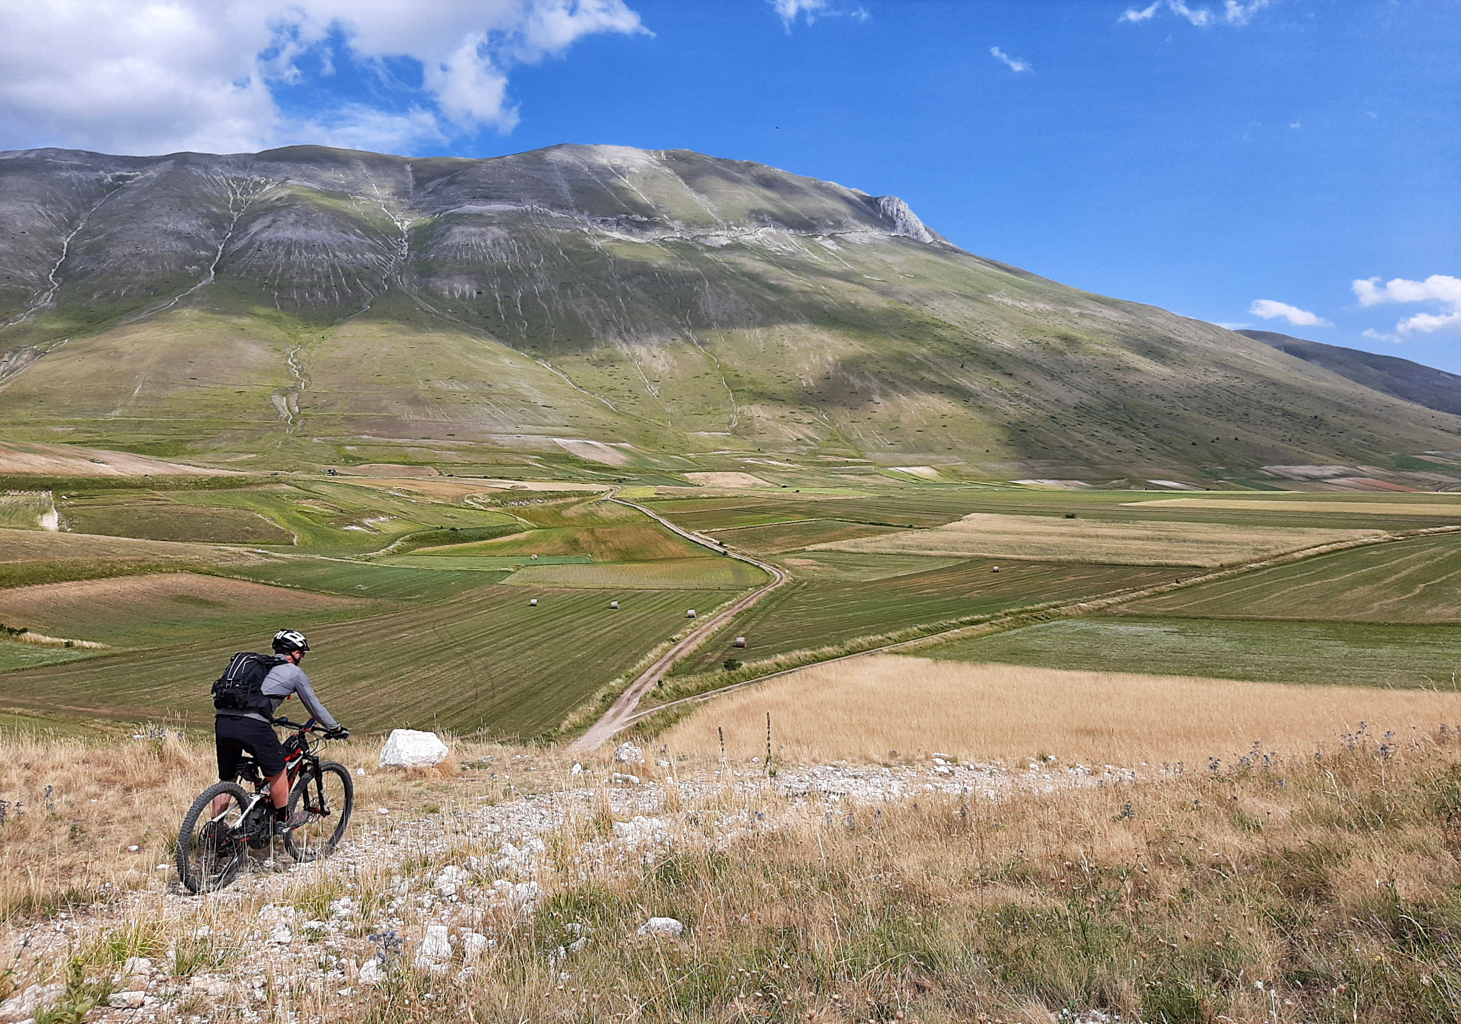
<point>287,641</point>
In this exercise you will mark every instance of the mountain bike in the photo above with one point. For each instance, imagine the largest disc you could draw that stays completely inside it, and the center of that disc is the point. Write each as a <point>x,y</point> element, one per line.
<point>213,847</point>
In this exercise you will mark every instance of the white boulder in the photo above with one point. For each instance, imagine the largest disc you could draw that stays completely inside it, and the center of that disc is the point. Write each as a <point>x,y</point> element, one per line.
<point>408,748</point>
<point>372,972</point>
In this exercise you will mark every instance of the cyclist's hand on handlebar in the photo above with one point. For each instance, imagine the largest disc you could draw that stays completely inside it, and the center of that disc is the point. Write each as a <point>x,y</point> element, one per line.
<point>337,733</point>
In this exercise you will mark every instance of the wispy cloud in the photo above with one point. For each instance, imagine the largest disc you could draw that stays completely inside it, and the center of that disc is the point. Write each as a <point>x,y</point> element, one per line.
<point>1231,12</point>
<point>1269,309</point>
<point>789,10</point>
<point>811,10</point>
<point>1441,289</point>
<point>1013,63</point>
<point>157,76</point>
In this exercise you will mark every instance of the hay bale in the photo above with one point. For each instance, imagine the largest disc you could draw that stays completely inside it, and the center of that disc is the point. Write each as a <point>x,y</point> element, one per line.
<point>740,641</point>
<point>690,614</point>
<point>614,604</point>
<point>533,602</point>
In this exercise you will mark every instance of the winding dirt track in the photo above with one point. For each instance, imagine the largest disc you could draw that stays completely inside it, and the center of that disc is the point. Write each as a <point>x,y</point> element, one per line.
<point>622,712</point>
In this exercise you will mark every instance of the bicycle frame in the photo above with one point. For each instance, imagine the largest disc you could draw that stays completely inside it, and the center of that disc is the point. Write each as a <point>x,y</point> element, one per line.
<point>299,753</point>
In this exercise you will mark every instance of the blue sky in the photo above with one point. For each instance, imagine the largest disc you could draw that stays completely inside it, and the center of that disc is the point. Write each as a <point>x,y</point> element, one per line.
<point>1292,165</point>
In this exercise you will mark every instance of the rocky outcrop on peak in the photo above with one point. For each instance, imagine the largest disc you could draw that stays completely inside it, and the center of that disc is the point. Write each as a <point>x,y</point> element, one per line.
<point>905,222</point>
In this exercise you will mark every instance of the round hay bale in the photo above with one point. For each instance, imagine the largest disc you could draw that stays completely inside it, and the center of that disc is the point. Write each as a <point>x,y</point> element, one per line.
<point>533,602</point>
<point>690,614</point>
<point>740,641</point>
<point>613,604</point>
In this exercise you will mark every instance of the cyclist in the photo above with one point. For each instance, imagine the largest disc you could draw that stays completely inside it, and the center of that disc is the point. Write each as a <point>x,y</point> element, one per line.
<point>237,731</point>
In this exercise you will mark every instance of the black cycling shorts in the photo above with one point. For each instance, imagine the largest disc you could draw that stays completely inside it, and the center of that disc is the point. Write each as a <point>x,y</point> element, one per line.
<point>235,735</point>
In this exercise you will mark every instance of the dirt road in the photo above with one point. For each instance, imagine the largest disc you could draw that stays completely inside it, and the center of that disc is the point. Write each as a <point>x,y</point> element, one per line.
<point>621,713</point>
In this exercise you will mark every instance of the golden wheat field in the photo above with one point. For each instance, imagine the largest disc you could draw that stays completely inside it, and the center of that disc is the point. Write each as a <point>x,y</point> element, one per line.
<point>867,708</point>
<point>993,535</point>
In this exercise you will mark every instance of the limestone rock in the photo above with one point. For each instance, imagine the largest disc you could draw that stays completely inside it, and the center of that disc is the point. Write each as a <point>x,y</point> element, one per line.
<point>33,998</point>
<point>666,926</point>
<point>435,948</point>
<point>410,748</point>
<point>628,753</point>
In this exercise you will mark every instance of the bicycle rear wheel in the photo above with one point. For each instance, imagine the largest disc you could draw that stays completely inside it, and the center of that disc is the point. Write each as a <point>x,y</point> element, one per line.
<point>211,848</point>
<point>328,798</point>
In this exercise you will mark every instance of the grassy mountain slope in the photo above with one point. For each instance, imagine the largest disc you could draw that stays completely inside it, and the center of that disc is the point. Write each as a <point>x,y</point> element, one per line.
<point>298,303</point>
<point>1423,385</point>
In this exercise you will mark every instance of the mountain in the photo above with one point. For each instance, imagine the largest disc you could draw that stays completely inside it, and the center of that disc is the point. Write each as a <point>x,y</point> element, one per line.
<point>1434,389</point>
<point>599,304</point>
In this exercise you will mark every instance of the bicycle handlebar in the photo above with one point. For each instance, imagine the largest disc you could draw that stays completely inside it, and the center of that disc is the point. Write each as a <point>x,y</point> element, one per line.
<point>310,726</point>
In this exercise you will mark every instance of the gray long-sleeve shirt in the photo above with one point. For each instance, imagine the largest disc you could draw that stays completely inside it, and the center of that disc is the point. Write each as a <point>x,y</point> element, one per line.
<point>284,680</point>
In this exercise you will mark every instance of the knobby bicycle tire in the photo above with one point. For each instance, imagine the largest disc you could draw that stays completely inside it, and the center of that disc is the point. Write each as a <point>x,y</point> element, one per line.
<point>317,839</point>
<point>209,862</point>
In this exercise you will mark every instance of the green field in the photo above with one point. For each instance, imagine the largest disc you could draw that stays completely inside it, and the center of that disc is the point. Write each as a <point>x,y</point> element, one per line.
<point>415,593</point>
<point>483,660</point>
<point>849,600</point>
<point>1359,654</point>
<point>1415,581</point>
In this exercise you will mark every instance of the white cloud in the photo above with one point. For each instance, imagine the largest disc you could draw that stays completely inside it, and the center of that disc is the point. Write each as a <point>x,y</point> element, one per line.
<point>1372,333</point>
<point>1232,12</point>
<point>1139,15</point>
<point>1438,288</point>
<point>1013,63</point>
<point>808,9</point>
<point>150,76</point>
<point>1268,309</point>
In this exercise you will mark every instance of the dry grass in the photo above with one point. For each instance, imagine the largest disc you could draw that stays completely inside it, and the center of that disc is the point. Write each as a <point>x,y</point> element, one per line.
<point>1082,540</point>
<point>726,480</point>
<point>69,460</point>
<point>75,807</point>
<point>160,597</point>
<point>866,707</point>
<point>1285,891</point>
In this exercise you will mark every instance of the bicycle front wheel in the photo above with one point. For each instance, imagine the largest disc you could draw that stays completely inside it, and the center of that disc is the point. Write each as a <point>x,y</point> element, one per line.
<point>327,797</point>
<point>211,843</point>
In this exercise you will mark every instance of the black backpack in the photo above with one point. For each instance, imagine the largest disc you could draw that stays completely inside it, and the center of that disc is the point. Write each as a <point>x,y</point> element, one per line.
<point>241,687</point>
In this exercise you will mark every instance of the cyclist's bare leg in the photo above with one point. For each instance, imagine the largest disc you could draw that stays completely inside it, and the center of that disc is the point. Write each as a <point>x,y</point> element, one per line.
<point>278,792</point>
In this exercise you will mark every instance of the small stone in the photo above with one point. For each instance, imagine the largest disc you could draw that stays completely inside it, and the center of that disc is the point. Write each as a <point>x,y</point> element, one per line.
<point>382,810</point>
<point>624,780</point>
<point>628,753</point>
<point>661,926</point>
<point>435,947</point>
<point>26,1003</point>
<point>372,973</point>
<point>577,769</point>
<point>127,1000</point>
<point>136,966</point>
<point>281,935</point>
<point>524,896</point>
<point>474,944</point>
